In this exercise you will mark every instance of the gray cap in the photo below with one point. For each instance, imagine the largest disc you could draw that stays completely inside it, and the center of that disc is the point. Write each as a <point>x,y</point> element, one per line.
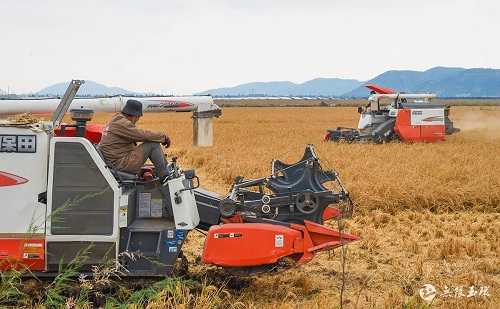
<point>133,108</point>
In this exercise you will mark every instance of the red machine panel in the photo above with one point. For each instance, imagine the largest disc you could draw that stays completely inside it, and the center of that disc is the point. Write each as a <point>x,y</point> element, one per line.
<point>93,132</point>
<point>330,213</point>
<point>432,133</point>
<point>408,133</point>
<point>249,244</point>
<point>419,132</point>
<point>20,254</point>
<point>403,118</point>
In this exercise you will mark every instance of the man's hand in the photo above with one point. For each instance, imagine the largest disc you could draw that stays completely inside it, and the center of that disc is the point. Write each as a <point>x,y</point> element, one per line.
<point>166,142</point>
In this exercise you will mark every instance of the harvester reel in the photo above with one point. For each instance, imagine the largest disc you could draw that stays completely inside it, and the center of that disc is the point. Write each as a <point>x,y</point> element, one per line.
<point>293,193</point>
<point>227,208</point>
<point>307,202</point>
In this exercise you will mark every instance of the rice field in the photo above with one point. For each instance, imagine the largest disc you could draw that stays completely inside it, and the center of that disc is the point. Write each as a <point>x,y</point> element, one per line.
<point>458,174</point>
<point>428,213</point>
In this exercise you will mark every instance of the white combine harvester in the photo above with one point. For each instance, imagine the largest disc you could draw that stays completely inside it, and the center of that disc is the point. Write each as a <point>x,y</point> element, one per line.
<point>60,198</point>
<point>405,117</point>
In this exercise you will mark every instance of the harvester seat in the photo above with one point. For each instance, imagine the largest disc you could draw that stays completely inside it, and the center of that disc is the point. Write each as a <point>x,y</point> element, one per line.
<point>119,175</point>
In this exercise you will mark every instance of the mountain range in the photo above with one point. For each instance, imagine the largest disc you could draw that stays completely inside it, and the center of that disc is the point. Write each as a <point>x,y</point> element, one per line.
<point>446,82</point>
<point>316,87</point>
<point>443,81</point>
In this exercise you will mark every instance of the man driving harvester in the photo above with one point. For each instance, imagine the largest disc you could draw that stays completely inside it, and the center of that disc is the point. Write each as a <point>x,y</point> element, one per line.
<point>119,143</point>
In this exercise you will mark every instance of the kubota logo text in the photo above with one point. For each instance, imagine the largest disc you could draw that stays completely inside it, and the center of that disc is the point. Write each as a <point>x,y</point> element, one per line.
<point>7,179</point>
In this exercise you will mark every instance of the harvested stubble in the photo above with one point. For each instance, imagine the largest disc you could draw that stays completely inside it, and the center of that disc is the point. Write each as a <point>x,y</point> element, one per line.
<point>428,212</point>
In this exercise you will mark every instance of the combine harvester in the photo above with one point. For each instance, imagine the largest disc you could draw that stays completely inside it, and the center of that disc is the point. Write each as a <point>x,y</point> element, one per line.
<point>60,198</point>
<point>406,117</point>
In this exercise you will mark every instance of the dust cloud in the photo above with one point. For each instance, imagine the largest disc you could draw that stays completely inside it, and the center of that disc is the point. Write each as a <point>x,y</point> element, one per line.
<point>485,121</point>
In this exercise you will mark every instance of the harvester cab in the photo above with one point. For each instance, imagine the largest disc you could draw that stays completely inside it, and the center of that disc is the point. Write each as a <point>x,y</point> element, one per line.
<point>65,202</point>
<point>392,116</point>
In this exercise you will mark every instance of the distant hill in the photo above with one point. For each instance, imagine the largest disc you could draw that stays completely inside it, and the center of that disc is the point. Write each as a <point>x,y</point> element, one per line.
<point>446,82</point>
<point>315,87</point>
<point>89,88</point>
<point>404,80</point>
<point>466,83</point>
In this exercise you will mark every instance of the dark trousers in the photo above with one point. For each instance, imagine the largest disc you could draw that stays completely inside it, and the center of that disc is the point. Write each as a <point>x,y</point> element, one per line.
<point>154,152</point>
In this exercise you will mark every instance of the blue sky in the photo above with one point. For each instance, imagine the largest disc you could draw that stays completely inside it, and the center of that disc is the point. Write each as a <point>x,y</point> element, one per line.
<point>183,47</point>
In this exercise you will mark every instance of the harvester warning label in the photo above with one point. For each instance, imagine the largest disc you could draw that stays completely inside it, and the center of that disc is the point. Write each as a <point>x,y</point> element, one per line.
<point>156,208</point>
<point>170,243</point>
<point>279,240</point>
<point>179,234</point>
<point>30,244</point>
<point>227,235</point>
<point>122,219</point>
<point>145,205</point>
<point>30,256</point>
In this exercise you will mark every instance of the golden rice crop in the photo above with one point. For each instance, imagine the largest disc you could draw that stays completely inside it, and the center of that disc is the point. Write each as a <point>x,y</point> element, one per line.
<point>460,173</point>
<point>428,212</point>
